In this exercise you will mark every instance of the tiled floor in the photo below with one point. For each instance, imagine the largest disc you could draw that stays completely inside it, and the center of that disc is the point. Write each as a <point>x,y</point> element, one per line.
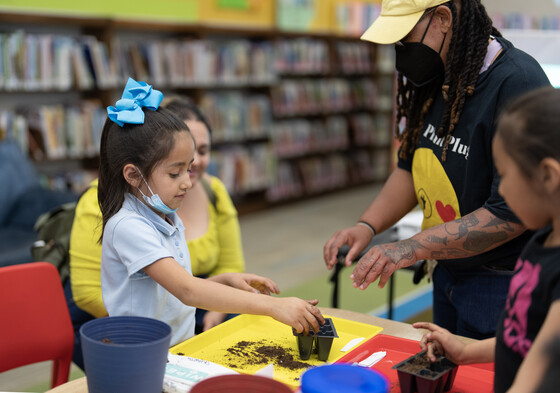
<point>277,243</point>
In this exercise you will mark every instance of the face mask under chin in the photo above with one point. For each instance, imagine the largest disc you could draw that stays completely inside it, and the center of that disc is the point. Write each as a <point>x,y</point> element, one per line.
<point>154,201</point>
<point>419,63</point>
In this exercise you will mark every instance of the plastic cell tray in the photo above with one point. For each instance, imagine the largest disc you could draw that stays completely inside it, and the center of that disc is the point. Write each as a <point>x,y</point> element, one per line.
<point>473,378</point>
<point>215,344</point>
<point>438,377</point>
<point>322,340</point>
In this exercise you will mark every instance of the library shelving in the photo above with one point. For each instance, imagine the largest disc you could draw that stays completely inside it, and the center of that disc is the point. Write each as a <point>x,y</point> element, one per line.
<point>294,114</point>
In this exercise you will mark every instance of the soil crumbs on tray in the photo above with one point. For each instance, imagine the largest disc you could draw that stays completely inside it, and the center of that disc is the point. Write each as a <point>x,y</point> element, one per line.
<point>262,352</point>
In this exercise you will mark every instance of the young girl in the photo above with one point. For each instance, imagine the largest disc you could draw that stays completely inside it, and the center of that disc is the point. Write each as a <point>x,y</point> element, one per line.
<point>526,151</point>
<point>144,175</point>
<point>208,213</point>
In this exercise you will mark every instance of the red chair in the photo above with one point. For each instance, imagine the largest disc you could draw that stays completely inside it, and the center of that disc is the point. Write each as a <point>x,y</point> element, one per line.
<point>36,324</point>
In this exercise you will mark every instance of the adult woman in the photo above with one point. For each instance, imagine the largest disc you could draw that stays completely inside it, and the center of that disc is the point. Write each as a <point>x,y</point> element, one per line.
<point>209,216</point>
<point>455,74</point>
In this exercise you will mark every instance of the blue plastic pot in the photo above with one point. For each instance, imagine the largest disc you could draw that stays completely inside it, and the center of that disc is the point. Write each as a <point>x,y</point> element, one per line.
<point>336,378</point>
<point>125,354</point>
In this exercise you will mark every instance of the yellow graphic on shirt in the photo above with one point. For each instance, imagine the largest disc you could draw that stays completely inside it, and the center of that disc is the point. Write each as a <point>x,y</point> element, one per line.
<point>434,190</point>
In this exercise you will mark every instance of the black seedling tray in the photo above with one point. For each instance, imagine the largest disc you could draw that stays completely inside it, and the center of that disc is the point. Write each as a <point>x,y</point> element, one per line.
<point>323,341</point>
<point>437,377</point>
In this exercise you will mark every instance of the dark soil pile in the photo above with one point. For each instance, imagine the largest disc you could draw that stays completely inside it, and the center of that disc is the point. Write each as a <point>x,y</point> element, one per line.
<point>261,352</point>
<point>421,365</point>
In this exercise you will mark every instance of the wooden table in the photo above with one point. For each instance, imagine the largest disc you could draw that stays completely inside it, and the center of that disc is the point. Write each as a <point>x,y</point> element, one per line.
<point>390,328</point>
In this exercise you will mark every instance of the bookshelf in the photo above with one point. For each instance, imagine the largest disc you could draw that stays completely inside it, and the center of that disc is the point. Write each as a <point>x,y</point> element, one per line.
<point>294,114</point>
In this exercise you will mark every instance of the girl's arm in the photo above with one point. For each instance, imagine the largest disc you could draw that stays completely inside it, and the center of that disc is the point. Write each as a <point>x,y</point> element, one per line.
<point>530,374</point>
<point>196,292</point>
<point>439,341</point>
<point>247,282</point>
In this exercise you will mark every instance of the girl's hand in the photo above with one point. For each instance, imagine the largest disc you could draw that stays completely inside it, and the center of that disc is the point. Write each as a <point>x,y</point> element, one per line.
<point>300,314</point>
<point>211,319</point>
<point>440,342</point>
<point>252,283</point>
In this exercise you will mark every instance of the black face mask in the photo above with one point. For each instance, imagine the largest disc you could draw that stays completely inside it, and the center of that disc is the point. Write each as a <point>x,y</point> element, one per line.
<point>419,63</point>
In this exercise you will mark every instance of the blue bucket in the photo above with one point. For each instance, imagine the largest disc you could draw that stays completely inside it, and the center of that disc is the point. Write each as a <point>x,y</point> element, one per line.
<point>125,354</point>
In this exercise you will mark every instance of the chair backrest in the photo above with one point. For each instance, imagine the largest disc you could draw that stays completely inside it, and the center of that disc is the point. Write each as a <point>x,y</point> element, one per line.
<point>36,324</point>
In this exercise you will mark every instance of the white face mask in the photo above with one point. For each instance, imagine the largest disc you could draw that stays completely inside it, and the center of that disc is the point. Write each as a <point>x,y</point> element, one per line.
<point>154,201</point>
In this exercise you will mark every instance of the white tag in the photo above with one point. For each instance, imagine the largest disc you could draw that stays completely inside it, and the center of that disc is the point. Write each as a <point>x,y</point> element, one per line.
<point>266,371</point>
<point>372,359</point>
<point>351,344</point>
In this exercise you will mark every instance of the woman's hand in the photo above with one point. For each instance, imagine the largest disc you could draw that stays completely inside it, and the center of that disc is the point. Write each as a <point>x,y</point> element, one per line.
<point>211,319</point>
<point>357,237</point>
<point>250,283</point>
<point>382,260</point>
<point>300,314</point>
<point>440,342</point>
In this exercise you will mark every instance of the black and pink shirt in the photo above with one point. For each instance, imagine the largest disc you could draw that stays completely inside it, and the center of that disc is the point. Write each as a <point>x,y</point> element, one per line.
<point>534,286</point>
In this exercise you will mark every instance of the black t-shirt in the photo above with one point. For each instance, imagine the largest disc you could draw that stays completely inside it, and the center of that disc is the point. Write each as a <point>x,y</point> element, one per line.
<point>533,288</point>
<point>468,180</point>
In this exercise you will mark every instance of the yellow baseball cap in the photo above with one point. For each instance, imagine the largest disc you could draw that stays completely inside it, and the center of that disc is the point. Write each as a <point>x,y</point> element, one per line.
<point>397,19</point>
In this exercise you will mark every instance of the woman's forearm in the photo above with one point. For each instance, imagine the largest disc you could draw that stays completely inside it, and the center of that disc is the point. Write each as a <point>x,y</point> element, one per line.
<point>473,234</point>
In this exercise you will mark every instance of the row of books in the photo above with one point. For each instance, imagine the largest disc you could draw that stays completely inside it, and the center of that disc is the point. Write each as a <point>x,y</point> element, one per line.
<point>295,97</point>
<point>353,18</point>
<point>371,130</point>
<point>293,138</point>
<point>58,131</point>
<point>244,169</point>
<point>525,21</point>
<point>236,117</point>
<point>303,56</point>
<point>370,165</point>
<point>355,57</point>
<point>73,130</point>
<point>190,62</point>
<point>294,179</point>
<point>61,62</point>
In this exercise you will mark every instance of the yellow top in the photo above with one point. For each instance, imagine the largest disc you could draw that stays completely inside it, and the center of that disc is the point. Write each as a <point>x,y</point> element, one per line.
<point>219,250</point>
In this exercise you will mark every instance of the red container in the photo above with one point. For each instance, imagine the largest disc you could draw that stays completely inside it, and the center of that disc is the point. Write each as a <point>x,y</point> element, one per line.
<point>472,378</point>
<point>240,383</point>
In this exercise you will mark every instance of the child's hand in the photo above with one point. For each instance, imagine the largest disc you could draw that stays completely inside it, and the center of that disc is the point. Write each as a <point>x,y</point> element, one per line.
<point>211,319</point>
<point>300,314</point>
<point>440,342</point>
<point>253,283</point>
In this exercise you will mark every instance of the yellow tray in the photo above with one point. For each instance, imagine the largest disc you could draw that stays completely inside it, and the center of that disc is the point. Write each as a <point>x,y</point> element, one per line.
<point>217,344</point>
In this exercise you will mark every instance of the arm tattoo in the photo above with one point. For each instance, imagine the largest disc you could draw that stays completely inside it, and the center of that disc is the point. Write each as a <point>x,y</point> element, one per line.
<point>403,250</point>
<point>499,223</point>
<point>476,237</point>
<point>481,241</point>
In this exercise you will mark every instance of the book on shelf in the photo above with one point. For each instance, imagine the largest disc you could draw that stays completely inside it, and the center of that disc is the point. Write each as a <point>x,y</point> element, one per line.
<point>63,131</point>
<point>237,116</point>
<point>244,169</point>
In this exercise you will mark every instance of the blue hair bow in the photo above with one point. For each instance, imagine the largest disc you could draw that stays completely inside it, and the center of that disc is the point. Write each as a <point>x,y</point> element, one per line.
<point>136,95</point>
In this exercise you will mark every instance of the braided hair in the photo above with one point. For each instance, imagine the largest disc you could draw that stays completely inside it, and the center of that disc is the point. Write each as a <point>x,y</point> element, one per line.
<point>465,58</point>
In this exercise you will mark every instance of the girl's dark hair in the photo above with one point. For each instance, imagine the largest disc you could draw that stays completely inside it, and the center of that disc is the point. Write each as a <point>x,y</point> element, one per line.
<point>143,145</point>
<point>529,128</point>
<point>467,50</point>
<point>185,109</point>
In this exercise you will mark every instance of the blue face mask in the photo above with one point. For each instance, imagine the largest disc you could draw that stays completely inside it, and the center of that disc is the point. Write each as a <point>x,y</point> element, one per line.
<point>155,201</point>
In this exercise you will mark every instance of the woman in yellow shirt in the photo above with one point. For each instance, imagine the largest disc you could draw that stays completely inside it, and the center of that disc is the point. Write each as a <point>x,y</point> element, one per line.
<point>210,218</point>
